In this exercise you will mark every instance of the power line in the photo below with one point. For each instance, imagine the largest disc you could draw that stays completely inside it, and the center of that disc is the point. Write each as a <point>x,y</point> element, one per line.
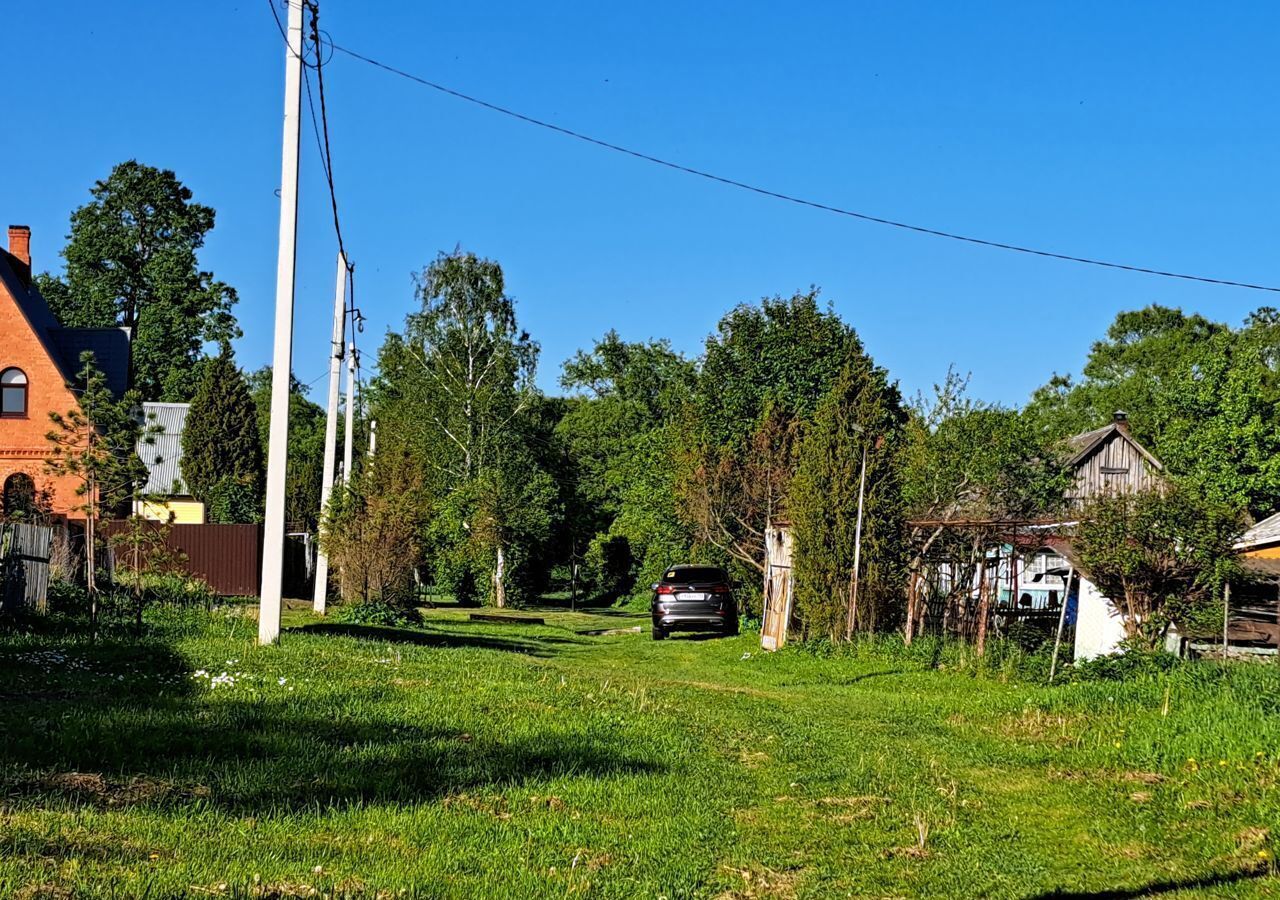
<point>789,198</point>
<point>324,123</point>
<point>315,125</point>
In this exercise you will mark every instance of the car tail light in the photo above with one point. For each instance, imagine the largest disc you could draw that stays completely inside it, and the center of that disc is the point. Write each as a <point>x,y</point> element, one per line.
<point>720,589</point>
<point>666,589</point>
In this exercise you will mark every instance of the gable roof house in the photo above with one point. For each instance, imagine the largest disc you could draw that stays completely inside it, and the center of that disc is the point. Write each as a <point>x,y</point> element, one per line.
<point>167,498</point>
<point>1109,460</point>
<point>1102,461</point>
<point>39,360</point>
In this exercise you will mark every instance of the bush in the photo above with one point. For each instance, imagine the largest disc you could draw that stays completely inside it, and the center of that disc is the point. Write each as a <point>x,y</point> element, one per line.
<point>67,597</point>
<point>1130,664</point>
<point>377,612</point>
<point>178,590</point>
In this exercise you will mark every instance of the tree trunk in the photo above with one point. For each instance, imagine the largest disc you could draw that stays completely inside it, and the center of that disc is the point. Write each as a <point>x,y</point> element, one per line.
<point>500,579</point>
<point>90,569</point>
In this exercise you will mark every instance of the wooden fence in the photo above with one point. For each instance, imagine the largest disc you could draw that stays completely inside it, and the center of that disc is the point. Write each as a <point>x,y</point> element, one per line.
<point>24,565</point>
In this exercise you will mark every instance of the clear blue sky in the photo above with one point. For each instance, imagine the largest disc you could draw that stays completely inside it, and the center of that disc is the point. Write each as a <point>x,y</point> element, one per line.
<point>1144,133</point>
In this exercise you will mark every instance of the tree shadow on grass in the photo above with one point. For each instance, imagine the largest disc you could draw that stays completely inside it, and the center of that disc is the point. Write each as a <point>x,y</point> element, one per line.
<point>117,725</point>
<point>1156,888</point>
<point>533,645</point>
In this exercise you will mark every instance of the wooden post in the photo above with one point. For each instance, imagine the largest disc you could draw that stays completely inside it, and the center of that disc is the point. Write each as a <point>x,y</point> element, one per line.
<point>1062,618</point>
<point>1226,617</point>
<point>984,606</point>
<point>912,586</point>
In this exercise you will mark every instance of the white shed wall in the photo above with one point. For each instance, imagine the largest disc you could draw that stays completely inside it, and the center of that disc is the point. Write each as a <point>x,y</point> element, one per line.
<point>1099,627</point>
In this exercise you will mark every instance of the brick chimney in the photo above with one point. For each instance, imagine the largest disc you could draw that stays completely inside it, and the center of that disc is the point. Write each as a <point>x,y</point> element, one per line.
<point>1121,420</point>
<point>20,249</point>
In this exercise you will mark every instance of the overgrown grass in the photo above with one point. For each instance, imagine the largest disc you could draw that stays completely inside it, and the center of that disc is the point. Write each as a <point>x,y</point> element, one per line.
<point>482,760</point>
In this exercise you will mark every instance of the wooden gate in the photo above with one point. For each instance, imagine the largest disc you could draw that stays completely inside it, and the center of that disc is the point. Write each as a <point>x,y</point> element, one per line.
<point>24,565</point>
<point>777,607</point>
<point>778,592</point>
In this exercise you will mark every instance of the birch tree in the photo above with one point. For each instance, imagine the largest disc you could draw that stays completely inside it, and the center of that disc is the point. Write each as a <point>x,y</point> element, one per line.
<point>454,390</point>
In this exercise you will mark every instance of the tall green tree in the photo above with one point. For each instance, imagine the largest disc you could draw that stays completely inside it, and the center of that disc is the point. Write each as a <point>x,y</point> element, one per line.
<point>1143,352</point>
<point>861,417</point>
<point>618,434</point>
<point>1221,420</point>
<point>131,261</point>
<point>304,468</point>
<point>455,391</point>
<point>764,373</point>
<point>221,452</point>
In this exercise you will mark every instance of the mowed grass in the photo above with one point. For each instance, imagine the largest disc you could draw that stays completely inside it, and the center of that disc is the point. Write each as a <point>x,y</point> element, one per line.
<point>492,760</point>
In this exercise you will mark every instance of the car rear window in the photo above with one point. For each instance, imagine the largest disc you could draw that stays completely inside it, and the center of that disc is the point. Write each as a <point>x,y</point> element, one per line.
<point>697,574</point>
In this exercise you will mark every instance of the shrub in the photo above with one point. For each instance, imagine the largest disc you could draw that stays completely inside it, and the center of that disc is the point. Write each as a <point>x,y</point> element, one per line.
<point>67,597</point>
<point>1130,663</point>
<point>377,612</point>
<point>178,590</point>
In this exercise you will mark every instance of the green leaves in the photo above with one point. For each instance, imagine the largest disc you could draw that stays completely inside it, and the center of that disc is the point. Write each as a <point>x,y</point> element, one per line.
<point>131,262</point>
<point>221,454</point>
<point>861,413</point>
<point>1161,557</point>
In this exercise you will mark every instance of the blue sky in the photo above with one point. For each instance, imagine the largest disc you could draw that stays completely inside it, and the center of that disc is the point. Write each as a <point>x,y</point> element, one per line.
<point>1143,133</point>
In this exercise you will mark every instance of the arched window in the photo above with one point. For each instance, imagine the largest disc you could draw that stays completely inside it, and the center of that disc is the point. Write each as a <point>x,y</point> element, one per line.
<point>13,393</point>
<point>19,495</point>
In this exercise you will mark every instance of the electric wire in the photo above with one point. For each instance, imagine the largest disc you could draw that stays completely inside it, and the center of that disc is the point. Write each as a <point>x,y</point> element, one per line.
<point>790,198</point>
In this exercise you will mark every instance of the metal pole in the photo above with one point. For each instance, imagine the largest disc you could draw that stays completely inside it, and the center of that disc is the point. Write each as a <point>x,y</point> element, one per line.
<point>1062,618</point>
<point>857,547</point>
<point>282,356</point>
<point>348,450</point>
<point>331,425</point>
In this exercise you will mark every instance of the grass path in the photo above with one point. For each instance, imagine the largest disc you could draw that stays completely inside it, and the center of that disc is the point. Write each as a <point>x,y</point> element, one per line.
<point>492,760</point>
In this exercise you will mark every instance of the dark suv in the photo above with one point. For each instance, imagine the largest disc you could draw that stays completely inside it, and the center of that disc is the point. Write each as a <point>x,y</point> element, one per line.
<point>694,598</point>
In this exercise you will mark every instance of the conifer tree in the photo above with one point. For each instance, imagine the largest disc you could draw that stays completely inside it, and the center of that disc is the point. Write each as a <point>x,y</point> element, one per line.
<point>860,412</point>
<point>221,454</point>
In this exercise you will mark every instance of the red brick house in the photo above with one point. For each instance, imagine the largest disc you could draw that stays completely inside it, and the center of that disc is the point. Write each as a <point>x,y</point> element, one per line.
<point>38,362</point>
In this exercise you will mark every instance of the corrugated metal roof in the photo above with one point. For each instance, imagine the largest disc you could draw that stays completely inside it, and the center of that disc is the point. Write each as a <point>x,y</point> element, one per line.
<point>163,458</point>
<point>1265,532</point>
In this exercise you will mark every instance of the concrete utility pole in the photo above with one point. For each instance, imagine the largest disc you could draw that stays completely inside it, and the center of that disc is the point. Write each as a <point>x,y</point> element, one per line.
<point>282,356</point>
<point>348,450</point>
<point>331,423</point>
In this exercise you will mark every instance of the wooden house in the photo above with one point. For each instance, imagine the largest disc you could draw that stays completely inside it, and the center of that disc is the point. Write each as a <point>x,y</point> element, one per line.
<point>1110,460</point>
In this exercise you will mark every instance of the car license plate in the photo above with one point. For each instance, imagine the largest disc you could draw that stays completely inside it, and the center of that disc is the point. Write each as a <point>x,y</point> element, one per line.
<point>691,595</point>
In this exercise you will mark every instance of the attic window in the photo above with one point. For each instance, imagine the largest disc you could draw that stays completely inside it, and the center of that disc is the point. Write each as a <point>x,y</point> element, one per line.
<point>13,394</point>
<point>1115,470</point>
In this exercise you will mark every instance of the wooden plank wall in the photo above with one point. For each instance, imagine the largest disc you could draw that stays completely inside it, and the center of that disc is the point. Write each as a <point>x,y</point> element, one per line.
<point>24,557</point>
<point>1116,466</point>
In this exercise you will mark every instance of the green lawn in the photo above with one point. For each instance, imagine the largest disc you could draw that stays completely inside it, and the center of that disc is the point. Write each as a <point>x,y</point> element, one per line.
<point>480,760</point>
